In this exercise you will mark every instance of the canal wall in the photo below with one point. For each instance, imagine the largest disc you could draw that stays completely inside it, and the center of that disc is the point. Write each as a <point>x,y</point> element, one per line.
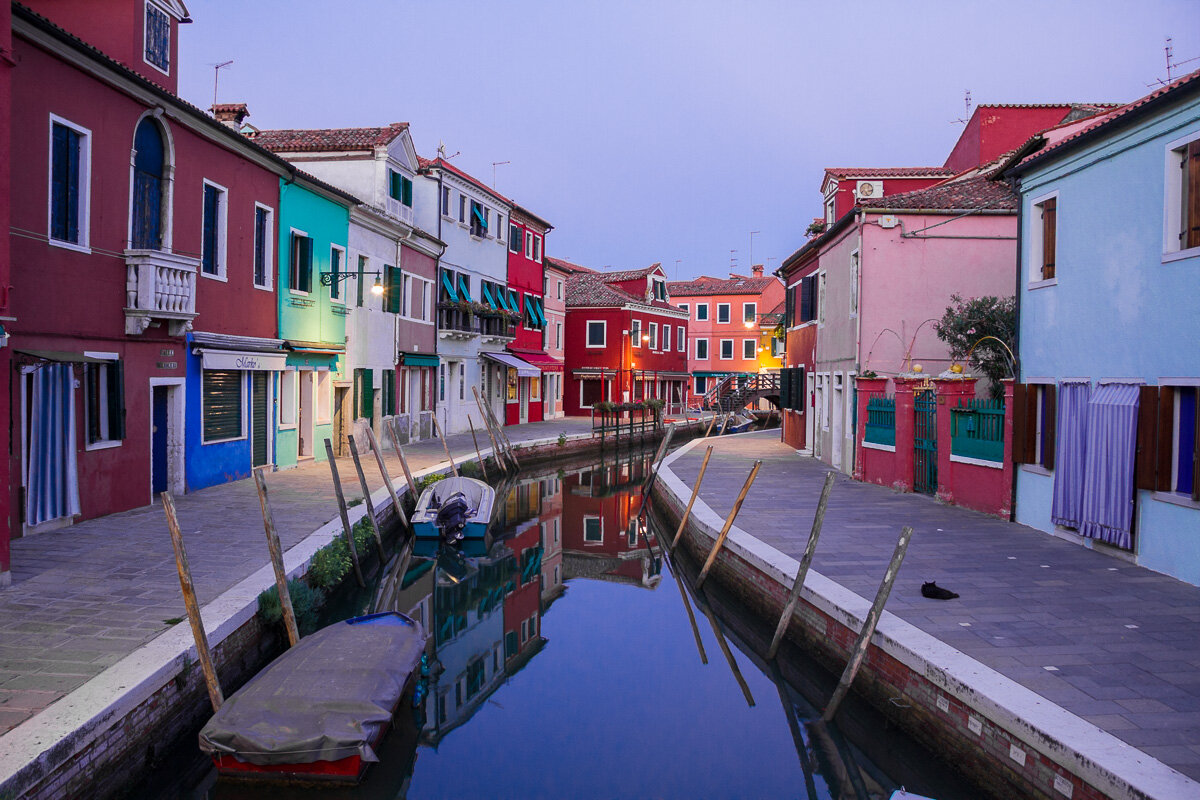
<point>97,741</point>
<point>1003,736</point>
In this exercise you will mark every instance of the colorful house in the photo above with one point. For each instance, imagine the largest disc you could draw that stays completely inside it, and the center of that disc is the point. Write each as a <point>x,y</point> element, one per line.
<point>555,309</point>
<point>385,283</point>
<point>625,341</point>
<point>1110,246</point>
<point>526,278</point>
<point>725,320</point>
<point>6,67</point>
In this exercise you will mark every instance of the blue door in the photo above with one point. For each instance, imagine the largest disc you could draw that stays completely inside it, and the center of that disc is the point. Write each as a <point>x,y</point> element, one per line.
<point>158,440</point>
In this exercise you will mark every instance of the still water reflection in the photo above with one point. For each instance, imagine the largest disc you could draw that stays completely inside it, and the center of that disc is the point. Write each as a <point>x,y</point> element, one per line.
<point>565,664</point>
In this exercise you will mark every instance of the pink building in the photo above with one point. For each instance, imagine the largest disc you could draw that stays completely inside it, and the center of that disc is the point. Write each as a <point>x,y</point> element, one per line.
<point>556,322</point>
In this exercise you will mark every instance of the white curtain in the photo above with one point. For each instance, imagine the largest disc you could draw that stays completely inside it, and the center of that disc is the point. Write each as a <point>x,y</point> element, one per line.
<point>52,485</point>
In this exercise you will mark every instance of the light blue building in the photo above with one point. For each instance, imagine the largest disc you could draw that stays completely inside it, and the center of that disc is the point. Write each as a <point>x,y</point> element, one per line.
<point>1109,303</point>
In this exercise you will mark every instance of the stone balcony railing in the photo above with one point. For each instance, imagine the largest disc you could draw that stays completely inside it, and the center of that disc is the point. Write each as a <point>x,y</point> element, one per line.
<point>159,287</point>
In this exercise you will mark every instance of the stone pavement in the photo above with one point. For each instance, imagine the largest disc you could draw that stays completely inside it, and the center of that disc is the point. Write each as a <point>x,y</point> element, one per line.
<point>86,596</point>
<point>1113,643</point>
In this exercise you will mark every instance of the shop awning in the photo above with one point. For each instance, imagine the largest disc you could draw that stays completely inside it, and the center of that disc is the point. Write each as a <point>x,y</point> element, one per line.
<point>225,351</point>
<point>420,360</point>
<point>543,362</point>
<point>524,369</point>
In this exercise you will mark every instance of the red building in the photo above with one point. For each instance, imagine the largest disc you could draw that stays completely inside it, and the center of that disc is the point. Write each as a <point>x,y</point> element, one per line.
<point>526,276</point>
<point>625,342</point>
<point>121,260</point>
<point>6,68</point>
<point>994,130</point>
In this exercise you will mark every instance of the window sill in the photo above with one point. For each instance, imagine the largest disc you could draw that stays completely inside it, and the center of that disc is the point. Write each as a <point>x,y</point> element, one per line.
<point>978,462</point>
<point>262,288</point>
<point>106,444</point>
<point>224,441</point>
<point>78,248</point>
<point>887,448</point>
<point>1181,255</point>
<point>1176,499</point>
<point>1041,284</point>
<point>1036,469</point>
<point>220,276</point>
<point>286,426</point>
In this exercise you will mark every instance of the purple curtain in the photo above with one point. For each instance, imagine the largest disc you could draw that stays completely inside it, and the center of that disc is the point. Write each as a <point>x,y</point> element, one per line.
<point>52,483</point>
<point>1108,470</point>
<point>1071,429</point>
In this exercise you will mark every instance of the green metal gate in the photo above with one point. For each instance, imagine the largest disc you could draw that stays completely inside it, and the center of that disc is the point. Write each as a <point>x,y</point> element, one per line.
<point>925,442</point>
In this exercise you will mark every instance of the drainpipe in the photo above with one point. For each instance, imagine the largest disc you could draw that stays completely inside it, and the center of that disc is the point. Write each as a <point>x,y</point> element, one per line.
<point>1016,187</point>
<point>852,389</point>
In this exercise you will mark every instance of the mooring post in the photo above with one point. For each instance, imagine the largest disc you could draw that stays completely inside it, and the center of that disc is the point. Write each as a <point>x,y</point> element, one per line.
<point>387,479</point>
<point>789,711</point>
<point>868,629</point>
<point>695,491</point>
<point>366,490</point>
<point>438,427</point>
<point>691,617</point>
<point>341,501</point>
<point>659,457</point>
<point>725,423</point>
<point>193,607</point>
<point>408,478</point>
<point>478,457</point>
<point>285,596</point>
<point>496,450</point>
<point>737,506</point>
<point>805,563</point>
<point>733,667</point>
<point>711,422</point>
<point>512,454</point>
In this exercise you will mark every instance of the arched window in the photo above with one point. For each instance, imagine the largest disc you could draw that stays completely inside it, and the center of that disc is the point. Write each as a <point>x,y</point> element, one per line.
<point>149,165</point>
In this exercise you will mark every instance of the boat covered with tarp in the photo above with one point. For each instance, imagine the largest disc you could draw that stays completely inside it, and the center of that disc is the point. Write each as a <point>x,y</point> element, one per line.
<point>319,711</point>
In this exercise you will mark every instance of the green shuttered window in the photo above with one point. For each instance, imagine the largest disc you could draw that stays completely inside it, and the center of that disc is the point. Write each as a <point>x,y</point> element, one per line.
<point>363,380</point>
<point>222,398</point>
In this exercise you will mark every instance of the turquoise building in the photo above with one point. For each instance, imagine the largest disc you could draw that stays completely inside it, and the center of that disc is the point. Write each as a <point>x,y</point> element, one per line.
<point>1109,304</point>
<point>314,223</point>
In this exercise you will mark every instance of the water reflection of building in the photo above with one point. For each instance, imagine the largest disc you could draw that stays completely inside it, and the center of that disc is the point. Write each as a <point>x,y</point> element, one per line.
<point>601,539</point>
<point>552,545</point>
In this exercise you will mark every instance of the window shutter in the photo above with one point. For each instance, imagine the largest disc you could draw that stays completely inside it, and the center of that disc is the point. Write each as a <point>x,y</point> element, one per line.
<point>1145,460</point>
<point>785,387</point>
<point>208,244</point>
<point>72,186</point>
<point>1166,435</point>
<point>1020,423</point>
<point>1191,219</point>
<point>116,400</point>
<point>1049,229</point>
<point>1049,425</point>
<point>92,376</point>
<point>805,300</point>
<point>365,393</point>
<point>406,187</point>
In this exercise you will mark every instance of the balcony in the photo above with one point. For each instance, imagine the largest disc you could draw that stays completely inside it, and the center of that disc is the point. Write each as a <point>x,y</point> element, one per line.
<point>159,287</point>
<point>398,210</point>
<point>497,328</point>
<point>454,323</point>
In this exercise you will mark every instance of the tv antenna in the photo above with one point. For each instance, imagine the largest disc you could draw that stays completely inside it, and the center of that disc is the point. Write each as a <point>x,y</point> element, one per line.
<point>966,110</point>
<point>216,75</point>
<point>678,261</point>
<point>732,259</point>
<point>1172,64</point>
<point>441,151</point>
<point>494,165</point>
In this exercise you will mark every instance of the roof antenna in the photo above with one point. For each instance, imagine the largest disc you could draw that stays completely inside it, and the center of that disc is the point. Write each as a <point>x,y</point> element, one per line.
<point>216,75</point>
<point>1172,64</point>
<point>441,151</point>
<point>494,165</point>
<point>967,110</point>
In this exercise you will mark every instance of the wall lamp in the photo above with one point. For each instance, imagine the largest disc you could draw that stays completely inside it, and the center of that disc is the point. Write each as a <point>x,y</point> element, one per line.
<point>328,279</point>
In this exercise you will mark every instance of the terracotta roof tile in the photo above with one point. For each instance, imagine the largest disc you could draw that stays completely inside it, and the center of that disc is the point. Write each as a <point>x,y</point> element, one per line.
<point>567,266</point>
<point>888,172</point>
<point>704,285</point>
<point>327,139</point>
<point>973,192</point>
<point>426,164</point>
<point>596,289</point>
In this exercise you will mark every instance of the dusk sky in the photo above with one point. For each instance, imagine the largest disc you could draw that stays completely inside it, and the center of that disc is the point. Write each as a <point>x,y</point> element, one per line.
<point>654,131</point>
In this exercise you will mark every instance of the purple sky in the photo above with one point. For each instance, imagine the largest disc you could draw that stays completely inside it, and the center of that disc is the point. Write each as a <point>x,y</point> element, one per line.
<point>653,131</point>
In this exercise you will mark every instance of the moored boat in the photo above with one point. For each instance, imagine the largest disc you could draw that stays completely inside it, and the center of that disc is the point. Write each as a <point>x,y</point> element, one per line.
<point>320,710</point>
<point>454,508</point>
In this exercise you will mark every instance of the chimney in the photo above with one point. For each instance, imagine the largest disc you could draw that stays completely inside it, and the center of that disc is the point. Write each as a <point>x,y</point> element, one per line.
<point>230,114</point>
<point>757,269</point>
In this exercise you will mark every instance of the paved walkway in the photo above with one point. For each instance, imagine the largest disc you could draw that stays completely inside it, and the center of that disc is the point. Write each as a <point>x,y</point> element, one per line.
<point>86,596</point>
<point>1113,643</point>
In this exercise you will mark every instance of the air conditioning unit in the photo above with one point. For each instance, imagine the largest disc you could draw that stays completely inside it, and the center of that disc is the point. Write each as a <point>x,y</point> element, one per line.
<point>888,221</point>
<point>865,190</point>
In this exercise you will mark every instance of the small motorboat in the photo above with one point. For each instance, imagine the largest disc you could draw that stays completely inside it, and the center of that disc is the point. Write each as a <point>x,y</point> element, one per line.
<point>454,509</point>
<point>739,424</point>
<point>319,711</point>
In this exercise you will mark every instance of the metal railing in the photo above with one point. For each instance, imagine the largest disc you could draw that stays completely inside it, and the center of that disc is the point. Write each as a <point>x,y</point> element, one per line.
<point>881,420</point>
<point>734,392</point>
<point>977,429</point>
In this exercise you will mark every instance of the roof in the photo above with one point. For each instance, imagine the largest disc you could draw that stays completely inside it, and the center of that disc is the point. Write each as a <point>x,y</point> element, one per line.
<point>597,289</point>
<point>527,213</point>
<point>705,285</point>
<point>1099,126</point>
<point>888,172</point>
<point>1049,105</point>
<point>974,192</point>
<point>567,266</point>
<point>427,164</point>
<point>296,140</point>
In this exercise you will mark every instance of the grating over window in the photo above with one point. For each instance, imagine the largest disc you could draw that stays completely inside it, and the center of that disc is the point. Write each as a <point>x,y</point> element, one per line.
<point>158,38</point>
<point>222,389</point>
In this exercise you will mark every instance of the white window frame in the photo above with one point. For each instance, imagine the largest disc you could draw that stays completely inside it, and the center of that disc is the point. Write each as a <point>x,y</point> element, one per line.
<point>587,331</point>
<point>558,336</point>
<point>753,349</point>
<point>345,283</point>
<point>699,318</point>
<point>103,444</point>
<point>600,522</point>
<point>855,266</point>
<point>145,33</point>
<point>268,249</point>
<point>537,248</point>
<point>666,337</point>
<point>721,350</point>
<point>681,338</point>
<point>445,202</point>
<point>222,254</point>
<point>728,313</point>
<point>560,285</point>
<point>821,288</point>
<point>1034,257</point>
<point>652,329</point>
<point>753,313</point>
<point>288,394</point>
<point>1173,199</point>
<point>501,229</point>
<point>698,342</point>
<point>685,308</point>
<point>529,245</point>
<point>292,233</point>
<point>85,186</point>
<point>635,332</point>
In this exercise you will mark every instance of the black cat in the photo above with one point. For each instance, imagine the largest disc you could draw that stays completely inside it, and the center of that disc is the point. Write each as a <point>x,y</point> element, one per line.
<point>935,592</point>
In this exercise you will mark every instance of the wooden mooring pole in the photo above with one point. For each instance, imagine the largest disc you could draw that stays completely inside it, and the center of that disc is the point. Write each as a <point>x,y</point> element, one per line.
<point>695,491</point>
<point>387,479</point>
<point>802,572</point>
<point>285,596</point>
<point>193,607</point>
<point>737,506</point>
<point>478,457</point>
<point>497,451</point>
<point>868,629</point>
<point>341,501</point>
<point>408,478</point>
<point>657,463</point>
<point>502,436</point>
<point>438,427</point>
<point>729,659</point>
<point>725,423</point>
<point>711,422</point>
<point>366,490</point>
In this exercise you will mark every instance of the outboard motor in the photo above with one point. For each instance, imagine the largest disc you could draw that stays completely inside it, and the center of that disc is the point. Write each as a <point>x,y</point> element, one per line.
<point>452,517</point>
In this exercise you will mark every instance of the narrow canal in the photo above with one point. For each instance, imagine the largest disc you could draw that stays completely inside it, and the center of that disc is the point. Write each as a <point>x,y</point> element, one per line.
<point>565,664</point>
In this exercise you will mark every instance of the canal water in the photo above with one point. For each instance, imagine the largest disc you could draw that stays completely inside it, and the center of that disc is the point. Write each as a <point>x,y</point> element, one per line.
<point>565,663</point>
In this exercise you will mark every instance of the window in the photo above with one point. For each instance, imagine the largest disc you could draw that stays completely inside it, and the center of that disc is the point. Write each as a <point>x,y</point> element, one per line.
<point>70,183</point>
<point>149,167</point>
<point>808,299</point>
<point>323,389</point>
<point>701,384</point>
<point>776,347</point>
<point>1043,239</point>
<point>478,220</point>
<point>500,228</point>
<point>393,289</point>
<point>854,283</point>
<point>597,333</point>
<point>659,289</point>
<point>399,188</point>
<point>104,396</point>
<point>593,530</point>
<point>535,388</point>
<point>222,404</point>
<point>361,278</point>
<point>722,312</point>
<point>287,398</point>
<point>388,388</point>
<point>442,383</point>
<point>336,256</point>
<point>749,349</point>
<point>750,313</point>
<point>680,339</point>
<point>302,257</point>
<point>515,238</point>
<point>666,338</point>
<point>560,285</point>
<point>462,209</point>
<point>701,312</point>
<point>263,242</point>
<point>529,245</point>
<point>537,248</point>
<point>701,349</point>
<point>1182,219</point>
<point>653,335</point>
<point>685,308</point>
<point>158,38</point>
<point>558,336</point>
<point>1182,440</point>
<point>727,349</point>
<point>445,201</point>
<point>212,238</point>
<point>635,332</point>
<point>364,393</point>
<point>821,299</point>
<point>462,381</point>
<point>487,222</point>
